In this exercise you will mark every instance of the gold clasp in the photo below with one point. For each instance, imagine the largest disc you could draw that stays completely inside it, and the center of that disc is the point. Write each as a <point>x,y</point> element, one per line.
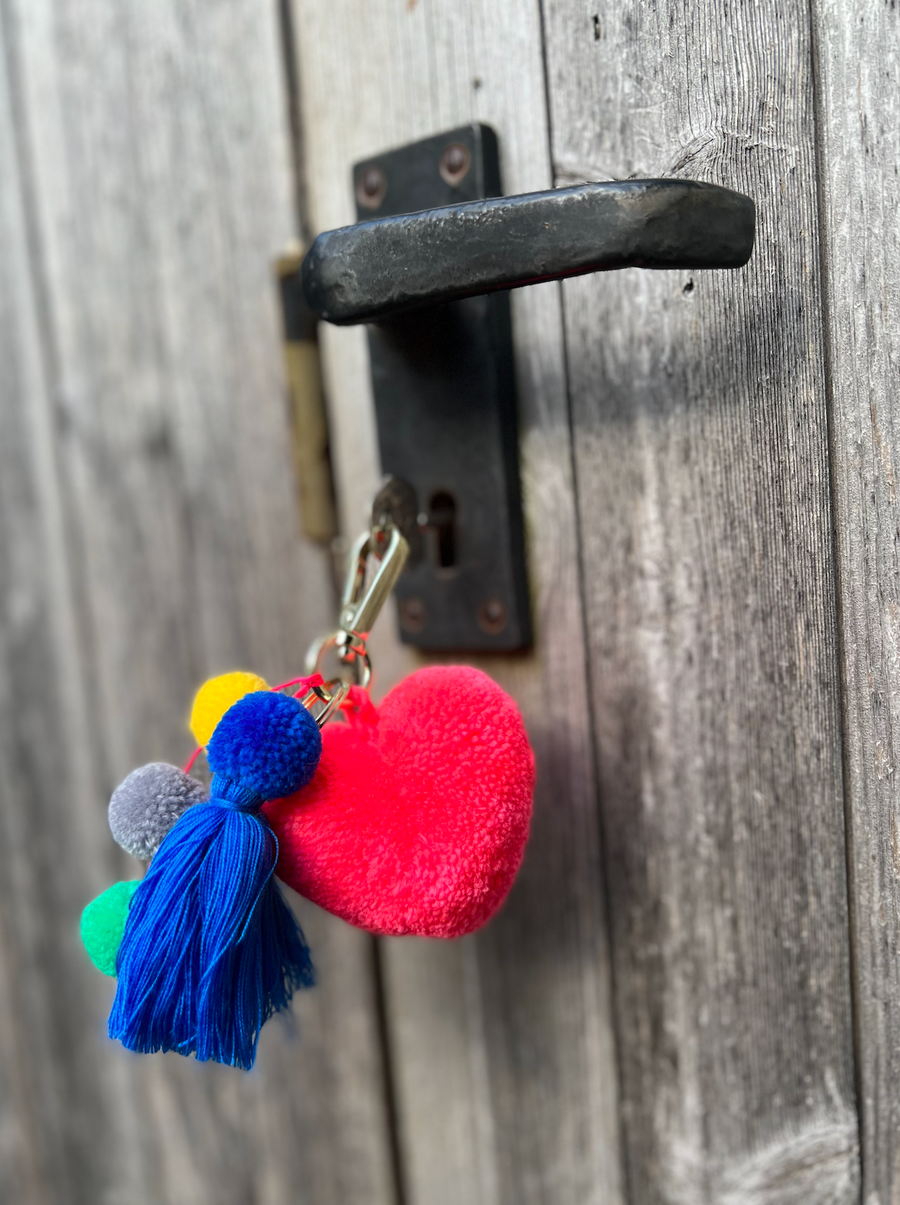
<point>360,607</point>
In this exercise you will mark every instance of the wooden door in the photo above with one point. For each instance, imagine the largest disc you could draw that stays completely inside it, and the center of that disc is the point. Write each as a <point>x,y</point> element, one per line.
<point>691,995</point>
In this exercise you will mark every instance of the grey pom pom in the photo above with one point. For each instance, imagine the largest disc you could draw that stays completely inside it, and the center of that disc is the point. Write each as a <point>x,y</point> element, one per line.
<point>145,806</point>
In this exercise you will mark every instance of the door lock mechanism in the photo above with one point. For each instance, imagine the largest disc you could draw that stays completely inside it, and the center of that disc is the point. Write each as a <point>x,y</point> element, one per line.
<point>428,266</point>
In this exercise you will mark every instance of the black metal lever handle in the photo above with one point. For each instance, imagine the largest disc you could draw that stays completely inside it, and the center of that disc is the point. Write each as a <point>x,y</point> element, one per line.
<point>375,269</point>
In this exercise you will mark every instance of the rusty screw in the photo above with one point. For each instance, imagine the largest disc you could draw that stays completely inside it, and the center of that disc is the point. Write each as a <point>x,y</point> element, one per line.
<point>492,616</point>
<point>455,162</point>
<point>412,614</point>
<point>371,185</point>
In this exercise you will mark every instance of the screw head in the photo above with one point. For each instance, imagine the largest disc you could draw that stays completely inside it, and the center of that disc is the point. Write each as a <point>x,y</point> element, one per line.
<point>492,616</point>
<point>455,163</point>
<point>412,614</point>
<point>371,185</point>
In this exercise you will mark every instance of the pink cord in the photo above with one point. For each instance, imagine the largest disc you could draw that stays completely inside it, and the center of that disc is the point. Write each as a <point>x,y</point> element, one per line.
<point>193,758</point>
<point>305,684</point>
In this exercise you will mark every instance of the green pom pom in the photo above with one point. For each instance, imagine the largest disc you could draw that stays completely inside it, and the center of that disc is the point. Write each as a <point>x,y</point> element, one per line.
<point>103,923</point>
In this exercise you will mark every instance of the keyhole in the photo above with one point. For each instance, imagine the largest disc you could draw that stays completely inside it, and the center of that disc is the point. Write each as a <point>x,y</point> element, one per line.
<point>443,519</point>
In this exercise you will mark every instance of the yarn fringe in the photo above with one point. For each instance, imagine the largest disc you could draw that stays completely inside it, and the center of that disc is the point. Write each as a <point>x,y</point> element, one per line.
<point>210,950</point>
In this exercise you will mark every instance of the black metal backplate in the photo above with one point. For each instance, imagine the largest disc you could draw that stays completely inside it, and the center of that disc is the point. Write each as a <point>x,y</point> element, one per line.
<point>446,413</point>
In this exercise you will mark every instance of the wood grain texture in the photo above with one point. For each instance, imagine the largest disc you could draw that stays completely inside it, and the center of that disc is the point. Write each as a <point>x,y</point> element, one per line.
<point>41,735</point>
<point>699,406</point>
<point>149,538</point>
<point>502,1045</point>
<point>858,77</point>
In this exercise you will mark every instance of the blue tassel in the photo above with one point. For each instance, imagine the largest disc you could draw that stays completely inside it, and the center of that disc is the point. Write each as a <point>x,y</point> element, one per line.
<point>211,950</point>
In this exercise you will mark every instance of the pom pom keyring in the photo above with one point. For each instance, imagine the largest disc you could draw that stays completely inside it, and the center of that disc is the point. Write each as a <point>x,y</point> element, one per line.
<point>410,818</point>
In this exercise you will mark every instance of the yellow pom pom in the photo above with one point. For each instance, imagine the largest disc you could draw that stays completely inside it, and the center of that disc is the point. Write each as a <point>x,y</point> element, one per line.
<point>216,696</point>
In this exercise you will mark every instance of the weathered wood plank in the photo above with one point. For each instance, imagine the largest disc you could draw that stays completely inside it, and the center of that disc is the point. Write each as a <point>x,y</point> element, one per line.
<point>41,735</point>
<point>150,538</point>
<point>701,458</point>
<point>502,1044</point>
<point>858,77</point>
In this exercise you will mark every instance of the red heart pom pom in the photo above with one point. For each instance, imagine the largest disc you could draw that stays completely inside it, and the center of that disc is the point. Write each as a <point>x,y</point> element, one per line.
<point>417,817</point>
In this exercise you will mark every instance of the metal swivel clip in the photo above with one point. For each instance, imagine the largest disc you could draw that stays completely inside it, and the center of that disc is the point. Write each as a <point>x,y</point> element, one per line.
<point>366,590</point>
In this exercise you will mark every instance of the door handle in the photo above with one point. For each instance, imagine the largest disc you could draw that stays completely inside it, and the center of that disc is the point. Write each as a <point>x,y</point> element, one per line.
<point>427,267</point>
<point>387,266</point>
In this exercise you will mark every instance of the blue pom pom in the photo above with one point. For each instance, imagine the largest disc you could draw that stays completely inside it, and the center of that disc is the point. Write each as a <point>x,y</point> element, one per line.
<point>267,742</point>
